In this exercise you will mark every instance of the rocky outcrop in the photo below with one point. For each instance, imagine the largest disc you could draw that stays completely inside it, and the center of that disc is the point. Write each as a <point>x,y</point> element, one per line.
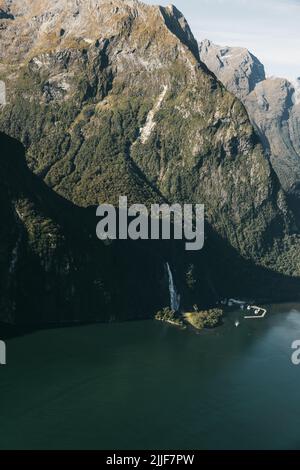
<point>272,104</point>
<point>276,114</point>
<point>109,98</point>
<point>238,69</point>
<point>2,94</point>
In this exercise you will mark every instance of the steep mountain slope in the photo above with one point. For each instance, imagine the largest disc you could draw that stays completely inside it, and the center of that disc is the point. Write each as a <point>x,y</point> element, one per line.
<point>272,104</point>
<point>52,267</point>
<point>238,69</point>
<point>109,99</point>
<point>53,270</point>
<point>277,116</point>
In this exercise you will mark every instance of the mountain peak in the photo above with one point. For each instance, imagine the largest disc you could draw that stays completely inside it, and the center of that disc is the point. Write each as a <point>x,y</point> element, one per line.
<point>236,67</point>
<point>109,99</point>
<point>178,25</point>
<point>47,25</point>
<point>272,104</point>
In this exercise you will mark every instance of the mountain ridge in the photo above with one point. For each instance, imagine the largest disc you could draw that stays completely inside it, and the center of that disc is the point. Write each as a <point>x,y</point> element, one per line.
<point>129,110</point>
<point>272,106</point>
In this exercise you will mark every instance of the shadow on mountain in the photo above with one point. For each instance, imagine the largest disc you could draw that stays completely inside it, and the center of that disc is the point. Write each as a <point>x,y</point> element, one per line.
<point>54,271</point>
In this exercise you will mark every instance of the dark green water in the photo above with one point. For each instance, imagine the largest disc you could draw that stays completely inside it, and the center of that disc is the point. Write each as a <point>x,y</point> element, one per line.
<point>150,386</point>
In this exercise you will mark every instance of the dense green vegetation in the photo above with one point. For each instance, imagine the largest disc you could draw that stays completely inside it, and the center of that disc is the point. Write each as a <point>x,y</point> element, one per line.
<point>168,315</point>
<point>133,114</point>
<point>206,319</point>
<point>198,320</point>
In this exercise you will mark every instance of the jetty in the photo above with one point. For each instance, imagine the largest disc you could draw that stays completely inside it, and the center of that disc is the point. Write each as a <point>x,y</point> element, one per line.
<point>259,312</point>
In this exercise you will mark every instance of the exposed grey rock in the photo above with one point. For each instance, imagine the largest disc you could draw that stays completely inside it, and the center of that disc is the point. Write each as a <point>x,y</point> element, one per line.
<point>235,67</point>
<point>273,111</point>
<point>2,93</point>
<point>272,103</point>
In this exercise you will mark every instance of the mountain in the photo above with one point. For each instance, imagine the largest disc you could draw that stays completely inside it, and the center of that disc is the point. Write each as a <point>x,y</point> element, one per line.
<point>109,98</point>
<point>272,104</point>
<point>52,267</point>
<point>235,67</point>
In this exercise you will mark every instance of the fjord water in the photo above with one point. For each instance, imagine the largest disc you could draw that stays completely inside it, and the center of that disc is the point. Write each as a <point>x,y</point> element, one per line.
<point>145,385</point>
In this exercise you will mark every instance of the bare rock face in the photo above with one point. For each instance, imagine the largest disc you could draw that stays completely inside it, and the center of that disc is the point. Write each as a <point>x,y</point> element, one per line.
<point>110,99</point>
<point>272,104</point>
<point>273,109</point>
<point>2,94</point>
<point>235,67</point>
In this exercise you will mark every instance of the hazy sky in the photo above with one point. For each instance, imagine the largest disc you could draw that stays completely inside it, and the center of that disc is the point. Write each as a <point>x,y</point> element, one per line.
<point>268,28</point>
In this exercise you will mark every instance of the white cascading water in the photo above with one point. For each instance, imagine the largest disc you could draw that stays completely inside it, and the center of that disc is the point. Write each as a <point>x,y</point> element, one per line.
<point>174,296</point>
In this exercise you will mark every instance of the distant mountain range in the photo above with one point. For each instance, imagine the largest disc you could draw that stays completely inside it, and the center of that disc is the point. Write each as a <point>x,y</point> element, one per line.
<point>273,105</point>
<point>109,98</point>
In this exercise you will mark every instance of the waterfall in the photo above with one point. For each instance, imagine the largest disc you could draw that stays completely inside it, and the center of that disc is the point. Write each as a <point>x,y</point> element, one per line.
<point>2,353</point>
<point>174,296</point>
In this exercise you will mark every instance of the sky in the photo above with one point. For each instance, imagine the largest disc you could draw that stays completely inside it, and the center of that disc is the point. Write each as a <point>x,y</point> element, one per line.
<point>270,29</point>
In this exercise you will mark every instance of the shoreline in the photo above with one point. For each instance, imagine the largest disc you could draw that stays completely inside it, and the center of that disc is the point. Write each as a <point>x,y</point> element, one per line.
<point>8,331</point>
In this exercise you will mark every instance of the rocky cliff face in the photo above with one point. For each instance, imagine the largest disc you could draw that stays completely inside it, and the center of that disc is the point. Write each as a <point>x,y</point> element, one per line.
<point>109,98</point>
<point>272,104</point>
<point>235,67</point>
<point>276,114</point>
